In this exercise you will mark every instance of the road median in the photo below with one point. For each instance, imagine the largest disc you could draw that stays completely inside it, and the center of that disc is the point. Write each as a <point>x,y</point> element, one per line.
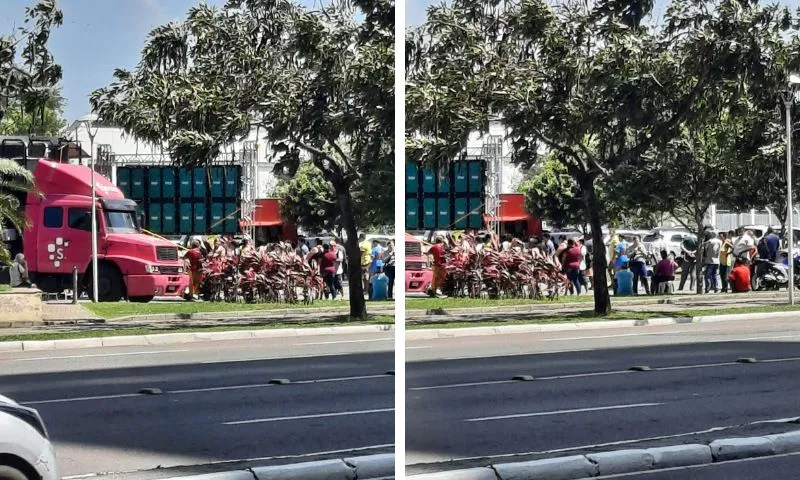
<point>629,460</point>
<point>370,467</point>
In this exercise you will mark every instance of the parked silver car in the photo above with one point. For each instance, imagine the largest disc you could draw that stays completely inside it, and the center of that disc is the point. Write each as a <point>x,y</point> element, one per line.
<point>25,449</point>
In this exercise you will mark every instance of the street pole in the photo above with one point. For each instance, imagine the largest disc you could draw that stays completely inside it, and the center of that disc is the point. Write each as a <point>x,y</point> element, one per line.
<point>94,221</point>
<point>788,102</point>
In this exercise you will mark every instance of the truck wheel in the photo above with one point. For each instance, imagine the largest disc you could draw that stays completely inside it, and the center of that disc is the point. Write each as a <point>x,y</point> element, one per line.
<point>109,284</point>
<point>11,473</point>
<point>141,299</point>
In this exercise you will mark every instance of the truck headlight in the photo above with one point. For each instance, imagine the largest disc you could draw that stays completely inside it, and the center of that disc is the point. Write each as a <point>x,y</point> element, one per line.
<point>151,268</point>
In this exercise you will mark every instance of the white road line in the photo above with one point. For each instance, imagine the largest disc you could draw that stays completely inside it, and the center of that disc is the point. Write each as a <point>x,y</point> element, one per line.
<point>459,385</point>
<point>82,399</point>
<point>155,352</point>
<point>343,379</point>
<point>244,460</point>
<point>301,417</point>
<point>562,412</point>
<point>349,341</point>
<point>285,357</point>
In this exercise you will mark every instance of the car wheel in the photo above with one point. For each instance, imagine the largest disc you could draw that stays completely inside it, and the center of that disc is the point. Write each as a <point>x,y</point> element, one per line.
<point>11,473</point>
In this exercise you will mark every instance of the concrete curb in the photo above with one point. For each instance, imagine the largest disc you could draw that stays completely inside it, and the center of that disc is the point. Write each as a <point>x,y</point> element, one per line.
<point>183,338</point>
<point>629,461</point>
<point>249,314</point>
<point>434,333</point>
<point>370,467</point>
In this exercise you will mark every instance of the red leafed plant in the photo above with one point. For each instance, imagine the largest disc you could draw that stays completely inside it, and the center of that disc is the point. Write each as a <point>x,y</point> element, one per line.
<point>272,274</point>
<point>487,272</point>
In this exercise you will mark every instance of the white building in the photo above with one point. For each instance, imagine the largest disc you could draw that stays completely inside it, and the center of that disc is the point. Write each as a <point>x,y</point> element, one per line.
<point>495,146</point>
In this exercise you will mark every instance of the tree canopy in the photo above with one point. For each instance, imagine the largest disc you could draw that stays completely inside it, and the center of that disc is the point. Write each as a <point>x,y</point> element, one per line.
<point>319,82</point>
<point>601,83</point>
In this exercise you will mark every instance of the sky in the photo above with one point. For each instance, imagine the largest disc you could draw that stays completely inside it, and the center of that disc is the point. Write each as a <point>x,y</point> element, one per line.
<point>97,37</point>
<point>101,35</point>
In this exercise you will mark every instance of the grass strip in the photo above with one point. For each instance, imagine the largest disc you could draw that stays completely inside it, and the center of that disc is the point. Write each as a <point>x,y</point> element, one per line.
<point>90,332</point>
<point>124,309</point>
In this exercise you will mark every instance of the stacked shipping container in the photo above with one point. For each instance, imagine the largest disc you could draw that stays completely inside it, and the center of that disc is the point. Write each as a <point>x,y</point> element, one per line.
<point>450,200</point>
<point>185,201</point>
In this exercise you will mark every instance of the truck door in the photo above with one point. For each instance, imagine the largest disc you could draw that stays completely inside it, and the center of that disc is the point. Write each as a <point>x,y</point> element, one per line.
<point>78,238</point>
<point>51,240</point>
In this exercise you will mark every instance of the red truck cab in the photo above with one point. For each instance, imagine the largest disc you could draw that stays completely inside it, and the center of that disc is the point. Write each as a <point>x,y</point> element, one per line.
<point>419,275</point>
<point>131,264</point>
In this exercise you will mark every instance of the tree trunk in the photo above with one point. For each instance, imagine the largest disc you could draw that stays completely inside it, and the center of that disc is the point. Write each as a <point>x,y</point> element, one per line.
<point>358,307</point>
<point>602,300</point>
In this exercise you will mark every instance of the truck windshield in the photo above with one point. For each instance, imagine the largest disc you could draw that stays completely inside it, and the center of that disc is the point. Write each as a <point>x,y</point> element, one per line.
<point>121,221</point>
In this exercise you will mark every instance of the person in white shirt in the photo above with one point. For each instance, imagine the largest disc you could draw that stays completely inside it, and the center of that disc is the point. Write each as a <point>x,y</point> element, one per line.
<point>745,245</point>
<point>711,259</point>
<point>337,282</point>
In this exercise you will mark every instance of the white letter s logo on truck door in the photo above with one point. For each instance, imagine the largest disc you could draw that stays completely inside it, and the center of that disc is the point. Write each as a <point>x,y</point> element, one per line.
<point>56,251</point>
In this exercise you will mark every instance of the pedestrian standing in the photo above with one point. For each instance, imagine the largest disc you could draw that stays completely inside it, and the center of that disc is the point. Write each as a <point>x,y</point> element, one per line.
<point>340,256</point>
<point>637,254</point>
<point>327,266</point>
<point>549,246</point>
<point>388,266</point>
<point>712,251</point>
<point>725,257</point>
<point>436,252</point>
<point>689,252</point>
<point>572,258</point>
<point>195,269</point>
<point>366,259</point>
<point>612,253</point>
<point>663,272</point>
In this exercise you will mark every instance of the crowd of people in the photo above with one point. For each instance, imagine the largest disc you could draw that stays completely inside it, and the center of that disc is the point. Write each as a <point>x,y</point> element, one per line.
<point>328,259</point>
<point>726,260</point>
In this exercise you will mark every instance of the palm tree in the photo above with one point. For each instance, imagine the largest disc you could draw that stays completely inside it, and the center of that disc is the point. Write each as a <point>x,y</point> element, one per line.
<point>14,180</point>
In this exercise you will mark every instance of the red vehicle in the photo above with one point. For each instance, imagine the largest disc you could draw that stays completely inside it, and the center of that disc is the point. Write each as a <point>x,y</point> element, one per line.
<point>131,264</point>
<point>418,273</point>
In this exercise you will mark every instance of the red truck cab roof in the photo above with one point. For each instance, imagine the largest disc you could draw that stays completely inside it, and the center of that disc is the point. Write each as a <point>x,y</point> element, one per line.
<point>54,178</point>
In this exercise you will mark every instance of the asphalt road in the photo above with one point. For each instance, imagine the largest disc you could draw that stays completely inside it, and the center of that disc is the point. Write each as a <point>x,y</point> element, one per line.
<point>463,409</point>
<point>218,411</point>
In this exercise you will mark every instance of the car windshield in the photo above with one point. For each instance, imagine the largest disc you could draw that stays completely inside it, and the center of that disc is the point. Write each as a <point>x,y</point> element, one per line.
<point>119,221</point>
<point>652,237</point>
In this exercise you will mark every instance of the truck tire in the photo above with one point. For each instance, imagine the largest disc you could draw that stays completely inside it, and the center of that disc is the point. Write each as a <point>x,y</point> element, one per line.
<point>11,473</point>
<point>110,287</point>
<point>141,299</point>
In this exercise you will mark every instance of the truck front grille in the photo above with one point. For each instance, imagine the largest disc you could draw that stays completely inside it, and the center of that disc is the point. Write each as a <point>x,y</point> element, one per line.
<point>413,249</point>
<point>414,266</point>
<point>167,253</point>
<point>169,270</point>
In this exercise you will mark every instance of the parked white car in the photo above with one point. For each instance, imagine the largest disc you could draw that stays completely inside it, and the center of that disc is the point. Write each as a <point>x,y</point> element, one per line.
<point>668,239</point>
<point>25,449</point>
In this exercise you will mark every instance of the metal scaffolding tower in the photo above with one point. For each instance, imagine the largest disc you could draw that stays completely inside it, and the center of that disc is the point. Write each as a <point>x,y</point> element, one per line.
<point>249,187</point>
<point>492,152</point>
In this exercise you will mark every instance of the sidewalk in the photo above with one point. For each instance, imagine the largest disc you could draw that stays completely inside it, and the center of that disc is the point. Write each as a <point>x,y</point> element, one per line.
<point>64,317</point>
<point>649,304</point>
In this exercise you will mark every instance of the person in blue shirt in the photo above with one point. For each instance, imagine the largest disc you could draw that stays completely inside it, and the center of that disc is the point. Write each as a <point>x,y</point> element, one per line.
<point>380,283</point>
<point>773,244</point>
<point>622,253</point>
<point>623,281</point>
<point>377,254</point>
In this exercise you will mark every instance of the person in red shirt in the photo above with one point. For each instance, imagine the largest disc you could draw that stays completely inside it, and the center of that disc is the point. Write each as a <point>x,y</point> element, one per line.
<point>327,265</point>
<point>194,257</point>
<point>740,277</point>
<point>437,252</point>
<point>572,263</point>
<point>664,271</point>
